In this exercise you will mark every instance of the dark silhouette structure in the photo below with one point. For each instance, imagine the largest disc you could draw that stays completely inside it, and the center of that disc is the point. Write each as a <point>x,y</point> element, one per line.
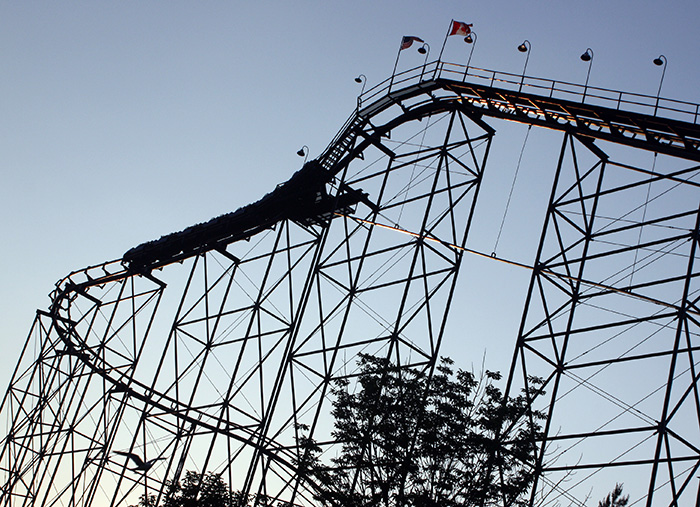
<point>208,349</point>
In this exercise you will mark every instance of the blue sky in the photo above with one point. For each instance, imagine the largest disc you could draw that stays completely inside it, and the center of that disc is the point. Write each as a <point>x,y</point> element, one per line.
<point>123,121</point>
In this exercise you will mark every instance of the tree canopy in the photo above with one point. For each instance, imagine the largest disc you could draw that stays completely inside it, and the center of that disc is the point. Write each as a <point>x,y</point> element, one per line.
<point>615,498</point>
<point>409,438</point>
<point>203,490</point>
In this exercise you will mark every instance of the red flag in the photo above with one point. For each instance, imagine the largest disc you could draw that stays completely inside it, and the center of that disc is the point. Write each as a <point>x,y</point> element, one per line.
<point>407,41</point>
<point>460,28</point>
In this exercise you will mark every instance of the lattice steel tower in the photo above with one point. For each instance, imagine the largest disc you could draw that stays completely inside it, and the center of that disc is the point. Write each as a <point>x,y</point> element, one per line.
<point>207,349</point>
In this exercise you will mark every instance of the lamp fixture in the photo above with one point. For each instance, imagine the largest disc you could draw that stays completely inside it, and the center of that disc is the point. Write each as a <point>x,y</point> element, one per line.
<point>660,60</point>
<point>304,152</point>
<point>524,48</point>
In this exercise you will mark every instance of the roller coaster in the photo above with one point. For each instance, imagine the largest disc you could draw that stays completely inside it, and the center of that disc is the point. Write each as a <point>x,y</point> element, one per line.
<point>209,348</point>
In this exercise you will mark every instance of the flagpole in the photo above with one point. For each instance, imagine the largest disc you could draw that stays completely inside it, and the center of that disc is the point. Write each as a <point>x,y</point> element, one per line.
<point>396,63</point>
<point>449,29</point>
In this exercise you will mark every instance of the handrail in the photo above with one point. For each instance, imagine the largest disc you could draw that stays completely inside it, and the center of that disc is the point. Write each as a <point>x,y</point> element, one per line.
<point>614,99</point>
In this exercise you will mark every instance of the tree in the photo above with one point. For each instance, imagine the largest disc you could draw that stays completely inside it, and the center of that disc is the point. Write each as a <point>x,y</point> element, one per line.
<point>206,490</point>
<point>410,439</point>
<point>407,440</point>
<point>614,498</point>
<point>197,490</point>
<point>146,501</point>
<point>201,490</point>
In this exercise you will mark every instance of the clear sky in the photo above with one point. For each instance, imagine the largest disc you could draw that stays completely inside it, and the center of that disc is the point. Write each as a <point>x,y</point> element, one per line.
<point>123,121</point>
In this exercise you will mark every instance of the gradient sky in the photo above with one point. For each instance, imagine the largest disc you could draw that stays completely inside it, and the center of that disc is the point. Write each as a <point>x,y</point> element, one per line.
<point>124,121</point>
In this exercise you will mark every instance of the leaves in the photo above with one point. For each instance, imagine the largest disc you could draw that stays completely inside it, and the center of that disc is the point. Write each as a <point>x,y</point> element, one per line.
<point>200,490</point>
<point>409,438</point>
<point>208,490</point>
<point>614,498</point>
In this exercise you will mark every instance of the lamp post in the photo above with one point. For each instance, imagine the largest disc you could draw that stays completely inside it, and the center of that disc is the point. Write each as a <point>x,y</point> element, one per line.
<point>661,60</point>
<point>406,42</point>
<point>470,39</point>
<point>524,48</point>
<point>587,57</point>
<point>304,152</point>
<point>425,52</point>
<point>361,79</point>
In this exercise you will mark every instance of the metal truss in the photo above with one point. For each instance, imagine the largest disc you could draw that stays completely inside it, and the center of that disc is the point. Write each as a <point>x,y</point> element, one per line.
<point>210,348</point>
<point>611,326</point>
<point>209,354</point>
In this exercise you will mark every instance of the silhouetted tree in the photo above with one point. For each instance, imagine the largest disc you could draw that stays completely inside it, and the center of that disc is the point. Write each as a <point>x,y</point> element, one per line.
<point>201,490</point>
<point>408,439</point>
<point>206,490</point>
<point>614,498</point>
<point>146,501</point>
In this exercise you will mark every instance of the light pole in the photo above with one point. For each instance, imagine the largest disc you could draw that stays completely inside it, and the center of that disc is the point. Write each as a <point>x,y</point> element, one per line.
<point>661,60</point>
<point>587,57</point>
<point>406,42</point>
<point>470,39</point>
<point>425,52</point>
<point>304,152</point>
<point>524,48</point>
<point>361,79</point>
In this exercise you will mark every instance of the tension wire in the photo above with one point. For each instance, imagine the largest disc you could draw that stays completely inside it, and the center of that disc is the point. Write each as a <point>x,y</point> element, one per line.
<point>413,169</point>
<point>510,195</point>
<point>644,216</point>
<point>493,256</point>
